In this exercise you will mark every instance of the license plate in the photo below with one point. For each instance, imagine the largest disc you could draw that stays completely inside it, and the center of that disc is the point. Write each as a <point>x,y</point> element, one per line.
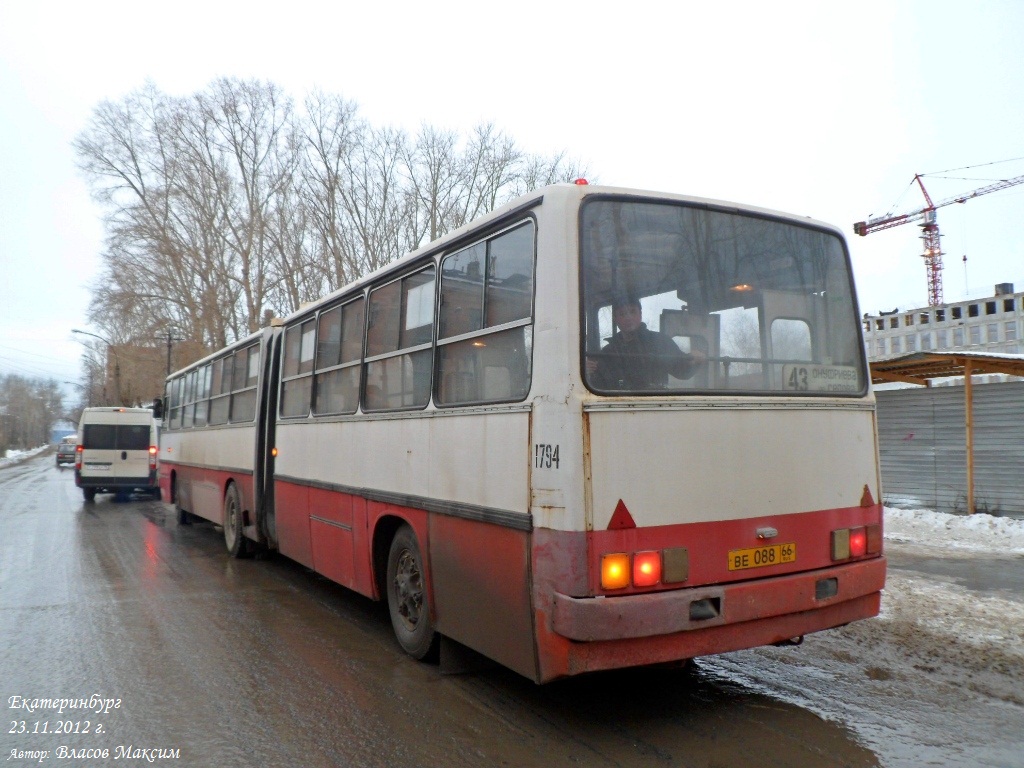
<point>761,557</point>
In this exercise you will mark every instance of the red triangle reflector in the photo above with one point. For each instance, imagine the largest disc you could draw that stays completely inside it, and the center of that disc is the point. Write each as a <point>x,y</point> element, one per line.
<point>621,518</point>
<point>867,500</point>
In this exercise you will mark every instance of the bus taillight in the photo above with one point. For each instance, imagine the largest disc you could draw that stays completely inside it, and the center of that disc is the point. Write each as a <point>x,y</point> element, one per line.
<point>858,542</point>
<point>646,569</point>
<point>615,571</point>
<point>848,543</point>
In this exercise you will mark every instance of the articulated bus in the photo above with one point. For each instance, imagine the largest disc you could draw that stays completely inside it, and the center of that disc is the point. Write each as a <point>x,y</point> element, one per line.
<point>596,428</point>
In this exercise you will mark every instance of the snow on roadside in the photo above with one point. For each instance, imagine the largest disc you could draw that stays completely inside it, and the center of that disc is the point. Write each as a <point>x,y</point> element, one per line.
<point>13,456</point>
<point>976,639</point>
<point>967,533</point>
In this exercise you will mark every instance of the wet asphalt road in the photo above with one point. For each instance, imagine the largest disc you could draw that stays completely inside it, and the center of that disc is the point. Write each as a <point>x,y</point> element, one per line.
<point>261,662</point>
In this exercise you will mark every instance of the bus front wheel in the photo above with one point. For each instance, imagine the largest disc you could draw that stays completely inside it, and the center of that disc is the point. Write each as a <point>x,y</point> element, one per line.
<point>407,597</point>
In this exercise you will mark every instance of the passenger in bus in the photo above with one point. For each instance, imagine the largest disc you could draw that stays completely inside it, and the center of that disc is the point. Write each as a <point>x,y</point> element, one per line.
<point>637,358</point>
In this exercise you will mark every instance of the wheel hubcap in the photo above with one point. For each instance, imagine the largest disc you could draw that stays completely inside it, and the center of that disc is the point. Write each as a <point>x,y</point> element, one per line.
<point>408,587</point>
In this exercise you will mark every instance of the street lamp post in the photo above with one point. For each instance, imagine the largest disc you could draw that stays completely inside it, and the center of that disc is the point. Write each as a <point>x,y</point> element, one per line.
<point>80,385</point>
<point>117,360</point>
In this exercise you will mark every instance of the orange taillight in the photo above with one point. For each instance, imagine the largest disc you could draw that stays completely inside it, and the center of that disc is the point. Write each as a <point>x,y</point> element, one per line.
<point>615,571</point>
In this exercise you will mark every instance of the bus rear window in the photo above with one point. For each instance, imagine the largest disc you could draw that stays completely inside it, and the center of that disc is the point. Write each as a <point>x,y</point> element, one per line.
<point>683,299</point>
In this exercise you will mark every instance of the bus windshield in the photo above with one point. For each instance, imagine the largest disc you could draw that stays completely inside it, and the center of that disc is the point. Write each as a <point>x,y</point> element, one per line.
<point>683,299</point>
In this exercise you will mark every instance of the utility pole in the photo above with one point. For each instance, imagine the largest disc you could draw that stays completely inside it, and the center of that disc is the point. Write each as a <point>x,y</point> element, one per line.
<point>171,338</point>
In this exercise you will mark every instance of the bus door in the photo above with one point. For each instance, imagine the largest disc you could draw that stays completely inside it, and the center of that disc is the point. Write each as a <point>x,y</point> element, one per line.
<point>266,422</point>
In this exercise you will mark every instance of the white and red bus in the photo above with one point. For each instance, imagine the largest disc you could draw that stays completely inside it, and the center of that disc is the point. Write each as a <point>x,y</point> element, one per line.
<point>596,428</point>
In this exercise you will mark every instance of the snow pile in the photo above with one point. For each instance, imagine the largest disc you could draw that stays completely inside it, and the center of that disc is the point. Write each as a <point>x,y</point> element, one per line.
<point>960,623</point>
<point>966,533</point>
<point>13,456</point>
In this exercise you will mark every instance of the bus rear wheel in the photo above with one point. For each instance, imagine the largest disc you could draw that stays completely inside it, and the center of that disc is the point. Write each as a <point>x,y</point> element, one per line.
<point>407,597</point>
<point>234,537</point>
<point>184,518</point>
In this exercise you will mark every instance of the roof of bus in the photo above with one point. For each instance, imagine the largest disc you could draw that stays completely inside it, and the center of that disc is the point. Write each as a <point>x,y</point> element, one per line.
<point>567,192</point>
<point>564,193</point>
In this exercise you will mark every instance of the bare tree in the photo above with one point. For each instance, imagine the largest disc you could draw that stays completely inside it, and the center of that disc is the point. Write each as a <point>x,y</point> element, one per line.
<point>29,408</point>
<point>226,204</point>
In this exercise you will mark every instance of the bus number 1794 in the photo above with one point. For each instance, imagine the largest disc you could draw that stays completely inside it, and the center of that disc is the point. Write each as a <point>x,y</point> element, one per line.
<point>545,456</point>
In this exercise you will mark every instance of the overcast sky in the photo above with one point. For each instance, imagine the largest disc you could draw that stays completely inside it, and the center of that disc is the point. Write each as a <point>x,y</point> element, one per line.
<point>824,109</point>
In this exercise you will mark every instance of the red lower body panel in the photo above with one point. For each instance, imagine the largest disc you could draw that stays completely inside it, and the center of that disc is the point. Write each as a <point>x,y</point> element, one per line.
<point>201,490</point>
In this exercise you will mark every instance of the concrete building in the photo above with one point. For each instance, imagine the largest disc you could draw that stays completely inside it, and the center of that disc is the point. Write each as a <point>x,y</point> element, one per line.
<point>994,324</point>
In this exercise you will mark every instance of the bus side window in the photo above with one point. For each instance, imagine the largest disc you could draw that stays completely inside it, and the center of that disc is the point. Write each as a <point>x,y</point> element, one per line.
<point>398,343</point>
<point>475,363</point>
<point>297,389</point>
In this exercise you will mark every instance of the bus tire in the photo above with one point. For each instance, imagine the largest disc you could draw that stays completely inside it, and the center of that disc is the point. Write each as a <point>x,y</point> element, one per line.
<point>234,537</point>
<point>408,603</point>
<point>184,518</point>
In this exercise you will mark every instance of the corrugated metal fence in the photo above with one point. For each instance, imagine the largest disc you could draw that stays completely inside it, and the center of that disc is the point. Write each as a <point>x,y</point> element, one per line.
<point>922,442</point>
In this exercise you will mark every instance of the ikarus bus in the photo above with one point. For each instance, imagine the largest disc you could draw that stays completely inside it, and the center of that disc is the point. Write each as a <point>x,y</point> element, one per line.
<point>596,428</point>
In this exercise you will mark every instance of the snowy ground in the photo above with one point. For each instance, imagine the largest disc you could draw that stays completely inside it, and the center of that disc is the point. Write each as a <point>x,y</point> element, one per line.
<point>959,534</point>
<point>968,614</point>
<point>938,677</point>
<point>13,457</point>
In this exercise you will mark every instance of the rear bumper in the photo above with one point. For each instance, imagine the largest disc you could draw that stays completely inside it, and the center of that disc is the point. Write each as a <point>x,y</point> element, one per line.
<point>593,634</point>
<point>148,482</point>
<point>730,605</point>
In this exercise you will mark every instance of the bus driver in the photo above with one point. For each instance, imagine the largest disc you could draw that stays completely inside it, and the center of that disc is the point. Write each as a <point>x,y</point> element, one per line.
<point>637,358</point>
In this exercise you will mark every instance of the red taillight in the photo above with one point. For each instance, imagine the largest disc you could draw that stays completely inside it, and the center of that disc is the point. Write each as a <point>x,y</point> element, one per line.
<point>848,543</point>
<point>649,568</point>
<point>646,569</point>
<point>78,457</point>
<point>152,456</point>
<point>858,542</point>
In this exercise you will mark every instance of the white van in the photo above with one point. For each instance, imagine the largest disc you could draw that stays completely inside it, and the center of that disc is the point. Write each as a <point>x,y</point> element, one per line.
<point>117,452</point>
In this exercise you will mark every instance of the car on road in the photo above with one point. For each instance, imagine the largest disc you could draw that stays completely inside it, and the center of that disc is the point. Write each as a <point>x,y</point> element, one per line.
<point>118,452</point>
<point>66,450</point>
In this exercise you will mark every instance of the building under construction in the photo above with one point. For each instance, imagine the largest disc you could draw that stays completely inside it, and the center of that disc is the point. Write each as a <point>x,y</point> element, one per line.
<point>993,324</point>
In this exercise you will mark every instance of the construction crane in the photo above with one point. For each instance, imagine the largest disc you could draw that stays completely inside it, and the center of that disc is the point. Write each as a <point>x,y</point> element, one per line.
<point>930,229</point>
